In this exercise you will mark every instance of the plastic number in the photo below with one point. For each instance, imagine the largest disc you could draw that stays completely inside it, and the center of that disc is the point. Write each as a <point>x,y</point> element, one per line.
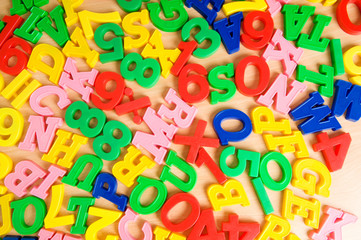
<point>139,72</point>
<point>130,6</point>
<point>114,96</point>
<point>10,135</point>
<point>169,8</point>
<point>86,17</point>
<point>253,38</point>
<point>116,43</point>
<point>185,80</point>
<point>84,121</point>
<point>244,6</point>
<point>9,50</point>
<point>343,18</point>
<point>113,142</point>
<point>264,75</point>
<point>7,30</point>
<point>204,34</point>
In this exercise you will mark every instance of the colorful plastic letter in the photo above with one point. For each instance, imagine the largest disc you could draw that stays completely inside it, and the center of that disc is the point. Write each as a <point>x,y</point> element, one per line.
<point>191,175</point>
<point>6,213</point>
<point>222,84</point>
<point>336,56</point>
<point>132,166</point>
<point>6,165</point>
<point>71,15</point>
<point>282,50</point>
<point>163,234</point>
<point>60,33</point>
<point>332,222</point>
<point>233,136</point>
<point>264,121</point>
<point>25,174</point>
<point>347,99</point>
<point>12,89</point>
<point>36,63</point>
<point>131,216</point>
<point>334,150</point>
<point>84,204</point>
<point>107,217</point>
<point>279,89</point>
<point>143,184</point>
<point>41,191</point>
<point>78,47</point>
<point>158,142</point>
<point>350,66</point>
<point>202,6</point>
<point>309,210</point>
<point>131,28</point>
<point>231,193</point>
<point>318,116</point>
<point>105,186</point>
<point>275,228</point>
<point>197,141</point>
<point>230,31</point>
<point>27,30</point>
<point>43,92</point>
<point>313,41</point>
<point>182,115</point>
<point>60,146</point>
<point>73,176</point>
<point>75,80</point>
<point>308,182</point>
<point>288,143</point>
<point>38,131</point>
<point>295,18</point>
<point>324,79</point>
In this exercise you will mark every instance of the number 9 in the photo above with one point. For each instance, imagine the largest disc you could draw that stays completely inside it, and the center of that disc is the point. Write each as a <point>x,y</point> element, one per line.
<point>10,135</point>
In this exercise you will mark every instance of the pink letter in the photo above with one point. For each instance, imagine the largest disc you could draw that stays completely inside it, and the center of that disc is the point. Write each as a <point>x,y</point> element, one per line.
<point>42,92</point>
<point>75,80</point>
<point>37,130</point>
<point>54,173</point>
<point>283,99</point>
<point>332,224</point>
<point>288,54</point>
<point>163,133</point>
<point>180,108</point>
<point>131,216</point>
<point>20,180</point>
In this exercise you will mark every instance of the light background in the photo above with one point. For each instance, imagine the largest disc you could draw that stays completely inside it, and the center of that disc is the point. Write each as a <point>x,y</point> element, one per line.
<point>345,189</point>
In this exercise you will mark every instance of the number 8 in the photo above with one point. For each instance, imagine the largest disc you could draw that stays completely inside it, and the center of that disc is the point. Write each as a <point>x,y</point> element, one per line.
<point>84,121</point>
<point>113,142</point>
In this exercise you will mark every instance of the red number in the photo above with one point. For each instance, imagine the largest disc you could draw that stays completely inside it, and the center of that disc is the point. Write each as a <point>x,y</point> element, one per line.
<point>253,38</point>
<point>113,96</point>
<point>343,18</point>
<point>264,75</point>
<point>9,50</point>
<point>185,80</point>
<point>12,22</point>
